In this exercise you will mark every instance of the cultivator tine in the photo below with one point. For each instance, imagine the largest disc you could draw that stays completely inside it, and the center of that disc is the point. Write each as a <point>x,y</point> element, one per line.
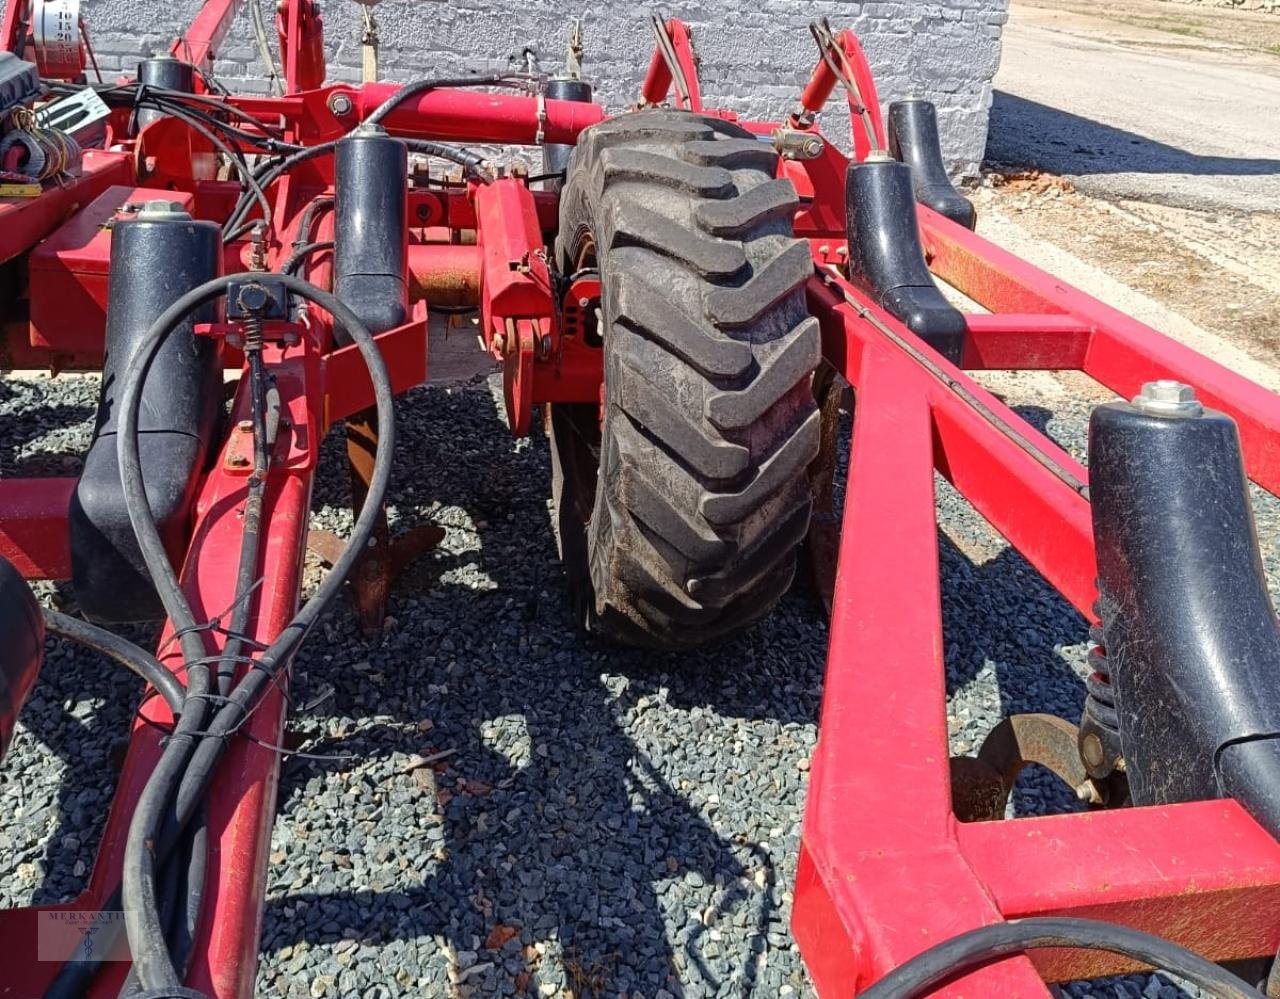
<point>371,583</point>
<point>387,559</point>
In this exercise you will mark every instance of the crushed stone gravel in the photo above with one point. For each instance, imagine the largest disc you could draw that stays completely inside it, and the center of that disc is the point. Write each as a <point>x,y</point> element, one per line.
<point>494,805</point>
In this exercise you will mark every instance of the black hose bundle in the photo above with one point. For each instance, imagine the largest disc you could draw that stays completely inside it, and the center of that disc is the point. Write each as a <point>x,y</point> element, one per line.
<point>166,840</point>
<point>186,768</point>
<point>989,944</point>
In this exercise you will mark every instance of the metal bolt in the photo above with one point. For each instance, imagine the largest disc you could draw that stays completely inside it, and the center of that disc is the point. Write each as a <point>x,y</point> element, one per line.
<point>793,144</point>
<point>245,426</point>
<point>253,298</point>
<point>340,104</point>
<point>238,461</point>
<point>1168,398</point>
<point>1091,750</point>
<point>162,211</point>
<point>1088,793</point>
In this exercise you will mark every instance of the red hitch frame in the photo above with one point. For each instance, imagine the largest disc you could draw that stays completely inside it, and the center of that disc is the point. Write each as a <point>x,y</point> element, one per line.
<point>886,868</point>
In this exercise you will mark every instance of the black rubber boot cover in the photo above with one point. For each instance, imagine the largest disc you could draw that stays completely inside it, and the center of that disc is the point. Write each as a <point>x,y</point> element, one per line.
<point>371,231</point>
<point>21,647</point>
<point>913,139</point>
<point>886,259</point>
<point>1190,631</point>
<point>153,264</point>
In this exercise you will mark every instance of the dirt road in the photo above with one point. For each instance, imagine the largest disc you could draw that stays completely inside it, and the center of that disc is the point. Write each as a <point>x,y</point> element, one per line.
<point>1133,104</point>
<point>1161,120</point>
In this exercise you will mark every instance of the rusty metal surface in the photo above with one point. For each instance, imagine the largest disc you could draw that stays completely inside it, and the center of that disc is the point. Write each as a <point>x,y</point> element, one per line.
<point>980,787</point>
<point>385,559</point>
<point>444,274</point>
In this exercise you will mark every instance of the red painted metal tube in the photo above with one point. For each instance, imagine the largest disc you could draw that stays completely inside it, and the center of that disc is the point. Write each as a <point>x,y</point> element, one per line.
<point>658,81</point>
<point>347,387</point>
<point>33,526</point>
<point>1203,874</point>
<point>242,802</point>
<point>300,30</point>
<point>444,273</point>
<point>881,844</point>
<point>823,81</point>
<point>877,827</point>
<point>210,28</point>
<point>1005,483</point>
<point>1123,353</point>
<point>818,90</point>
<point>1023,343</point>
<point>472,116</point>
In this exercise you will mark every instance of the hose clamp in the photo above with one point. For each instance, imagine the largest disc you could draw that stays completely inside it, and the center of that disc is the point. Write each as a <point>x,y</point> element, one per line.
<point>541,135</point>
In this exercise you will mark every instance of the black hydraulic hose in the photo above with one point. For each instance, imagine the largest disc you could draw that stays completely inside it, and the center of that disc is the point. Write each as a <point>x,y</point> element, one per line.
<point>268,142</point>
<point>323,203</point>
<point>146,844</point>
<point>469,160</point>
<point>265,178</point>
<point>184,880</point>
<point>301,253</point>
<point>255,190</point>
<point>185,921</point>
<point>264,434</point>
<point>121,651</point>
<point>989,944</point>
<point>127,94</point>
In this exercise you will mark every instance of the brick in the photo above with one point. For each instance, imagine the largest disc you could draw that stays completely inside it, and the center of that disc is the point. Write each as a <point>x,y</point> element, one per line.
<point>755,54</point>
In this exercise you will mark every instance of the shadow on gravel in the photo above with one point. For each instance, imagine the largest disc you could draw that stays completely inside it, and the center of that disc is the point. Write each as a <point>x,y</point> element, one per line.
<point>1005,626</point>
<point>82,717</point>
<point>1025,133</point>
<point>561,813</point>
<point>37,419</point>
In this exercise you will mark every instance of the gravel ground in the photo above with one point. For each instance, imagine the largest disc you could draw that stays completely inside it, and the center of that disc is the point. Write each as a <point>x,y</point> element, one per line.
<point>501,806</point>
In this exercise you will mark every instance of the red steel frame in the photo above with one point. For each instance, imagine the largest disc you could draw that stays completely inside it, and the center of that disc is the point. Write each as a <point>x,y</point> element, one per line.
<point>885,869</point>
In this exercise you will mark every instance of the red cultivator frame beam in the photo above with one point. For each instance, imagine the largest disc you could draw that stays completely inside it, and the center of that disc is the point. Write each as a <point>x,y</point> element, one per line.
<point>886,868</point>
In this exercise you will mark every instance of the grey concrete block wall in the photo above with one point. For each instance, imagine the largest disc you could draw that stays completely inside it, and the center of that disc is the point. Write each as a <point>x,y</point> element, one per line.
<point>755,54</point>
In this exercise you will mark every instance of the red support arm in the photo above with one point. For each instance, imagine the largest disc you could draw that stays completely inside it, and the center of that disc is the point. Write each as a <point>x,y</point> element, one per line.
<point>14,25</point>
<point>1122,352</point>
<point>658,79</point>
<point>864,100</point>
<point>207,32</point>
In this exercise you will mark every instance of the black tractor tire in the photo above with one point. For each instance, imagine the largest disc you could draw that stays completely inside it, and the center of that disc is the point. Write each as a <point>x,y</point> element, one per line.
<point>681,501</point>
